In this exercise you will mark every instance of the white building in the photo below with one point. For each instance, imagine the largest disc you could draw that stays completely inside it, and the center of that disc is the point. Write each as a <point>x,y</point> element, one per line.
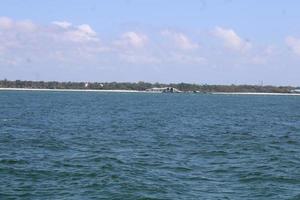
<point>164,90</point>
<point>296,90</point>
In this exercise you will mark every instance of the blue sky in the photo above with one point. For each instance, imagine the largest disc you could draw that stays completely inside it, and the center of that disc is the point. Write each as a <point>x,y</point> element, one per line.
<point>214,42</point>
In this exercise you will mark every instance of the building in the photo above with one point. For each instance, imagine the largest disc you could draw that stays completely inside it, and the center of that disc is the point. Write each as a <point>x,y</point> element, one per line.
<point>297,90</point>
<point>164,90</point>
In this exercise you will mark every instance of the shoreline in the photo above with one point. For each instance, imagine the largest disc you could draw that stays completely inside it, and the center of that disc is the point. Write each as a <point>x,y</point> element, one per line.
<point>256,93</point>
<point>136,91</point>
<point>67,90</point>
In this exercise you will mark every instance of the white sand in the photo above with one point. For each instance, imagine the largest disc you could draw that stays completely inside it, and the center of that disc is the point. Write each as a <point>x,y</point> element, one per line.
<point>257,93</point>
<point>136,91</point>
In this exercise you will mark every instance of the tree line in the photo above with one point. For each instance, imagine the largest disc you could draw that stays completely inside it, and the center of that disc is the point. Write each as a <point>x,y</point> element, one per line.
<point>140,86</point>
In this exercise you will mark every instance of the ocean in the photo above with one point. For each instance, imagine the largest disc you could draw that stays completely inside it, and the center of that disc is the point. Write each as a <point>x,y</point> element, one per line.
<point>87,145</point>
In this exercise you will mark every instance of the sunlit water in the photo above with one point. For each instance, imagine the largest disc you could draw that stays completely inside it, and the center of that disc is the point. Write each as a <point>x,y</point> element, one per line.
<point>85,145</point>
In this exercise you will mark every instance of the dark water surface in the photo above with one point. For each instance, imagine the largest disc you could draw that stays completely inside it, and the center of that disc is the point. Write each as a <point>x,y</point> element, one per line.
<point>84,145</point>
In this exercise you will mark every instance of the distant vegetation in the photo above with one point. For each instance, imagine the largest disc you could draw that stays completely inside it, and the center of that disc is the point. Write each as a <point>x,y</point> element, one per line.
<point>142,86</point>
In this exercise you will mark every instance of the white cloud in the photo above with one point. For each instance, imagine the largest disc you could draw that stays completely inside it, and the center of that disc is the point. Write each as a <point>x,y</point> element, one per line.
<point>26,25</point>
<point>26,40</point>
<point>130,49</point>
<point>132,39</point>
<point>62,42</point>
<point>6,23</point>
<point>68,32</point>
<point>294,44</point>
<point>269,50</point>
<point>180,39</point>
<point>85,28</point>
<point>262,55</point>
<point>231,39</point>
<point>62,24</point>
<point>82,33</point>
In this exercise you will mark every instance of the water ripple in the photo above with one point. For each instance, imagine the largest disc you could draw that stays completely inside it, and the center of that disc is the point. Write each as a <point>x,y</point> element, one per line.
<point>76,145</point>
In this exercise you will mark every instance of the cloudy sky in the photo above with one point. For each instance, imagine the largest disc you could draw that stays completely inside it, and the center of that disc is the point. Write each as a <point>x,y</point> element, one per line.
<point>213,42</point>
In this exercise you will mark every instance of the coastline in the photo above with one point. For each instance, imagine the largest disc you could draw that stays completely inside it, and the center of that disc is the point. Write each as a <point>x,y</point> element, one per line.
<point>256,93</point>
<point>136,91</point>
<point>68,90</point>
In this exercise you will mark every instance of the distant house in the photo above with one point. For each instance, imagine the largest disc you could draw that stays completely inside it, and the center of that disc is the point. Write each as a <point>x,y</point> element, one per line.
<point>297,90</point>
<point>164,90</point>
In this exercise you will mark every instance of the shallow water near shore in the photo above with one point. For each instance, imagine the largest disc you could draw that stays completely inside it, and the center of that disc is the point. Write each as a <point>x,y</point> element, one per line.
<point>81,145</point>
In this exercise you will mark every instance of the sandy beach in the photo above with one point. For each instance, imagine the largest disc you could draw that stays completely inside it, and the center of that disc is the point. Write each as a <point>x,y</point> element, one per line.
<point>256,93</point>
<point>136,91</point>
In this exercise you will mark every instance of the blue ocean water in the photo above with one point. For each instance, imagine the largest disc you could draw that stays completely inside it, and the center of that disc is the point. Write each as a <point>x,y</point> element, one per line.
<point>85,145</point>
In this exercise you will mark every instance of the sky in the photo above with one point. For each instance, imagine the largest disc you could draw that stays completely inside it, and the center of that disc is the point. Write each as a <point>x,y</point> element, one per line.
<point>193,41</point>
